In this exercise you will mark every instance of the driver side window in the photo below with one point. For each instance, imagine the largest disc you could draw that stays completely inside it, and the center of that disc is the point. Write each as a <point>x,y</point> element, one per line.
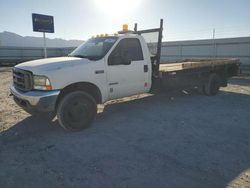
<point>126,51</point>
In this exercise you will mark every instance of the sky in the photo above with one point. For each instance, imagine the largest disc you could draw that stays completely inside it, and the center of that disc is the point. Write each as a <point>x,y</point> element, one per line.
<point>82,19</point>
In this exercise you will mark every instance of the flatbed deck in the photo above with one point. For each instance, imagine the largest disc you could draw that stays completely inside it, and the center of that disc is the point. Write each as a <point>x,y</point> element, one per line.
<point>195,63</point>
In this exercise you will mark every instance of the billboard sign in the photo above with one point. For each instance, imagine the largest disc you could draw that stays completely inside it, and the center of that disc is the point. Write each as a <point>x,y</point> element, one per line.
<point>43,23</point>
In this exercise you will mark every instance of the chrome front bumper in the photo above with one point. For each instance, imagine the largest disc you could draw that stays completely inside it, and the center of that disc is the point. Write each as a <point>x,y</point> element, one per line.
<point>35,100</point>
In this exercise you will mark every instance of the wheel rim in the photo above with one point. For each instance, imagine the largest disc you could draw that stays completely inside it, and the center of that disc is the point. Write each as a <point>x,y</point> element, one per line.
<point>77,114</point>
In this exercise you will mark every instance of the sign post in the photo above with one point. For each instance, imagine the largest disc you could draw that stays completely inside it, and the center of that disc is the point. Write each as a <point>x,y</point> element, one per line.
<point>44,24</point>
<point>44,45</point>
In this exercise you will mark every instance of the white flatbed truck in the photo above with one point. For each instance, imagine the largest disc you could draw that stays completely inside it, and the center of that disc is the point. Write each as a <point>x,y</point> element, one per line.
<point>106,68</point>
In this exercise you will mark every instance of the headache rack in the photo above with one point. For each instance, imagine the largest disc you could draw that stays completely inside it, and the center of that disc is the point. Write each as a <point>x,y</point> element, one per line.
<point>22,79</point>
<point>156,58</point>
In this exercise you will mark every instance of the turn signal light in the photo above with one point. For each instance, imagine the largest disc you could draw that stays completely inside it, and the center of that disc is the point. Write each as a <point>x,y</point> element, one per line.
<point>48,88</point>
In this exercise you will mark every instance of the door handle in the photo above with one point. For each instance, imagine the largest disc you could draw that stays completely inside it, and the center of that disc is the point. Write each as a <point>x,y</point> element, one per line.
<point>99,71</point>
<point>145,68</point>
<point>112,84</point>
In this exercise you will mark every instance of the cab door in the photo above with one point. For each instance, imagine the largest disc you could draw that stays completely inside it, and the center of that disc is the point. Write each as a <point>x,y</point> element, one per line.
<point>127,70</point>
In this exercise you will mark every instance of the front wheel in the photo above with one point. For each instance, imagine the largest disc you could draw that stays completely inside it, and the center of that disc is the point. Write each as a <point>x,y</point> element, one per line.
<point>76,111</point>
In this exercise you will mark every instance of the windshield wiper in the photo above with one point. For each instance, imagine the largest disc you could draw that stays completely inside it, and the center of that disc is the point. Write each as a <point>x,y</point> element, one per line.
<point>87,57</point>
<point>80,56</point>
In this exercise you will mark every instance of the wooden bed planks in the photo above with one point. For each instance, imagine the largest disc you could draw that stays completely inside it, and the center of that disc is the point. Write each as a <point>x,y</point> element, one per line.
<point>195,63</point>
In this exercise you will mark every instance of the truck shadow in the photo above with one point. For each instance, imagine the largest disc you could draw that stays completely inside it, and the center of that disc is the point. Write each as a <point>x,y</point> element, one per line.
<point>37,126</point>
<point>196,137</point>
<point>240,81</point>
<point>30,127</point>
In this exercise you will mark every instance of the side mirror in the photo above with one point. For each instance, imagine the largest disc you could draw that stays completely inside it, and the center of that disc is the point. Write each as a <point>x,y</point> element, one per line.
<point>115,59</point>
<point>125,59</point>
<point>126,62</point>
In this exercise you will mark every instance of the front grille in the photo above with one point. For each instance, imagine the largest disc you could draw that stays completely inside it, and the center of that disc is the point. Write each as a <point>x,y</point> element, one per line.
<point>22,79</point>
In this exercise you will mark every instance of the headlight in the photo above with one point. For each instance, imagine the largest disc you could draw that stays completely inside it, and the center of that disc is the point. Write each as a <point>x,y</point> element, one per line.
<point>41,83</point>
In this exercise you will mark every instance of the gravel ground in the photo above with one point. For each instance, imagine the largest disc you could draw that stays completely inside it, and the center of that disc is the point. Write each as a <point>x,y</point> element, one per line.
<point>165,140</point>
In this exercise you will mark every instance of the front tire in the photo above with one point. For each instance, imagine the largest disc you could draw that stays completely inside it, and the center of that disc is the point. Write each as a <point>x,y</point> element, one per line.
<point>76,111</point>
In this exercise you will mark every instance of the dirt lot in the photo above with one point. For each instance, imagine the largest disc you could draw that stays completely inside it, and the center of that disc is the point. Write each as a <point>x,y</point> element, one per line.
<point>166,140</point>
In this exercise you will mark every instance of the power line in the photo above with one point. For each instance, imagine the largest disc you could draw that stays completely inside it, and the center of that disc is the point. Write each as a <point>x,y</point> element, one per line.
<point>219,32</point>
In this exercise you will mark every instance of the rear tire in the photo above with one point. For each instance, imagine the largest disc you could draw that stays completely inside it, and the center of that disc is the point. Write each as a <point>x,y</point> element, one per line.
<point>212,87</point>
<point>76,111</point>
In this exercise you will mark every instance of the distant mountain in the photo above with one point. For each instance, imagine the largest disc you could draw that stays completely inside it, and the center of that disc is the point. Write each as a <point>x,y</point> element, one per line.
<point>13,39</point>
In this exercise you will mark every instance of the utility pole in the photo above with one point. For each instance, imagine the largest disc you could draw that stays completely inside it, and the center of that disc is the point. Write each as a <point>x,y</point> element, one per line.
<point>213,33</point>
<point>214,44</point>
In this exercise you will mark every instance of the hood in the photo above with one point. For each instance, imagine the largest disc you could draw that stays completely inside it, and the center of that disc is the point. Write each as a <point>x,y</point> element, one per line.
<point>51,64</point>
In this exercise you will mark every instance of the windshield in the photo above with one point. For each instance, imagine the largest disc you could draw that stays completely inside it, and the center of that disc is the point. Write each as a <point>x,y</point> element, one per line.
<point>95,48</point>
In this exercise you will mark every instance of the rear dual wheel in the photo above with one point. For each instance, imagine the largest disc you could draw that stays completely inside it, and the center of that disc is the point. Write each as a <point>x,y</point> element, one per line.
<point>213,85</point>
<point>76,111</point>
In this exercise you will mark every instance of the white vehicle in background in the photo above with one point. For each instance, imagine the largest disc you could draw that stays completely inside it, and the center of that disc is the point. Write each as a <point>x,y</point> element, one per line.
<point>106,68</point>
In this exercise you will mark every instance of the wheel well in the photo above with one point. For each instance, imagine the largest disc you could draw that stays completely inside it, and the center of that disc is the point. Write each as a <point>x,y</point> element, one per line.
<point>89,88</point>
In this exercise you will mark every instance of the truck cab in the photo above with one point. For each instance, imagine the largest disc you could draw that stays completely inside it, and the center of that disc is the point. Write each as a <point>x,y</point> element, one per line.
<point>103,68</point>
